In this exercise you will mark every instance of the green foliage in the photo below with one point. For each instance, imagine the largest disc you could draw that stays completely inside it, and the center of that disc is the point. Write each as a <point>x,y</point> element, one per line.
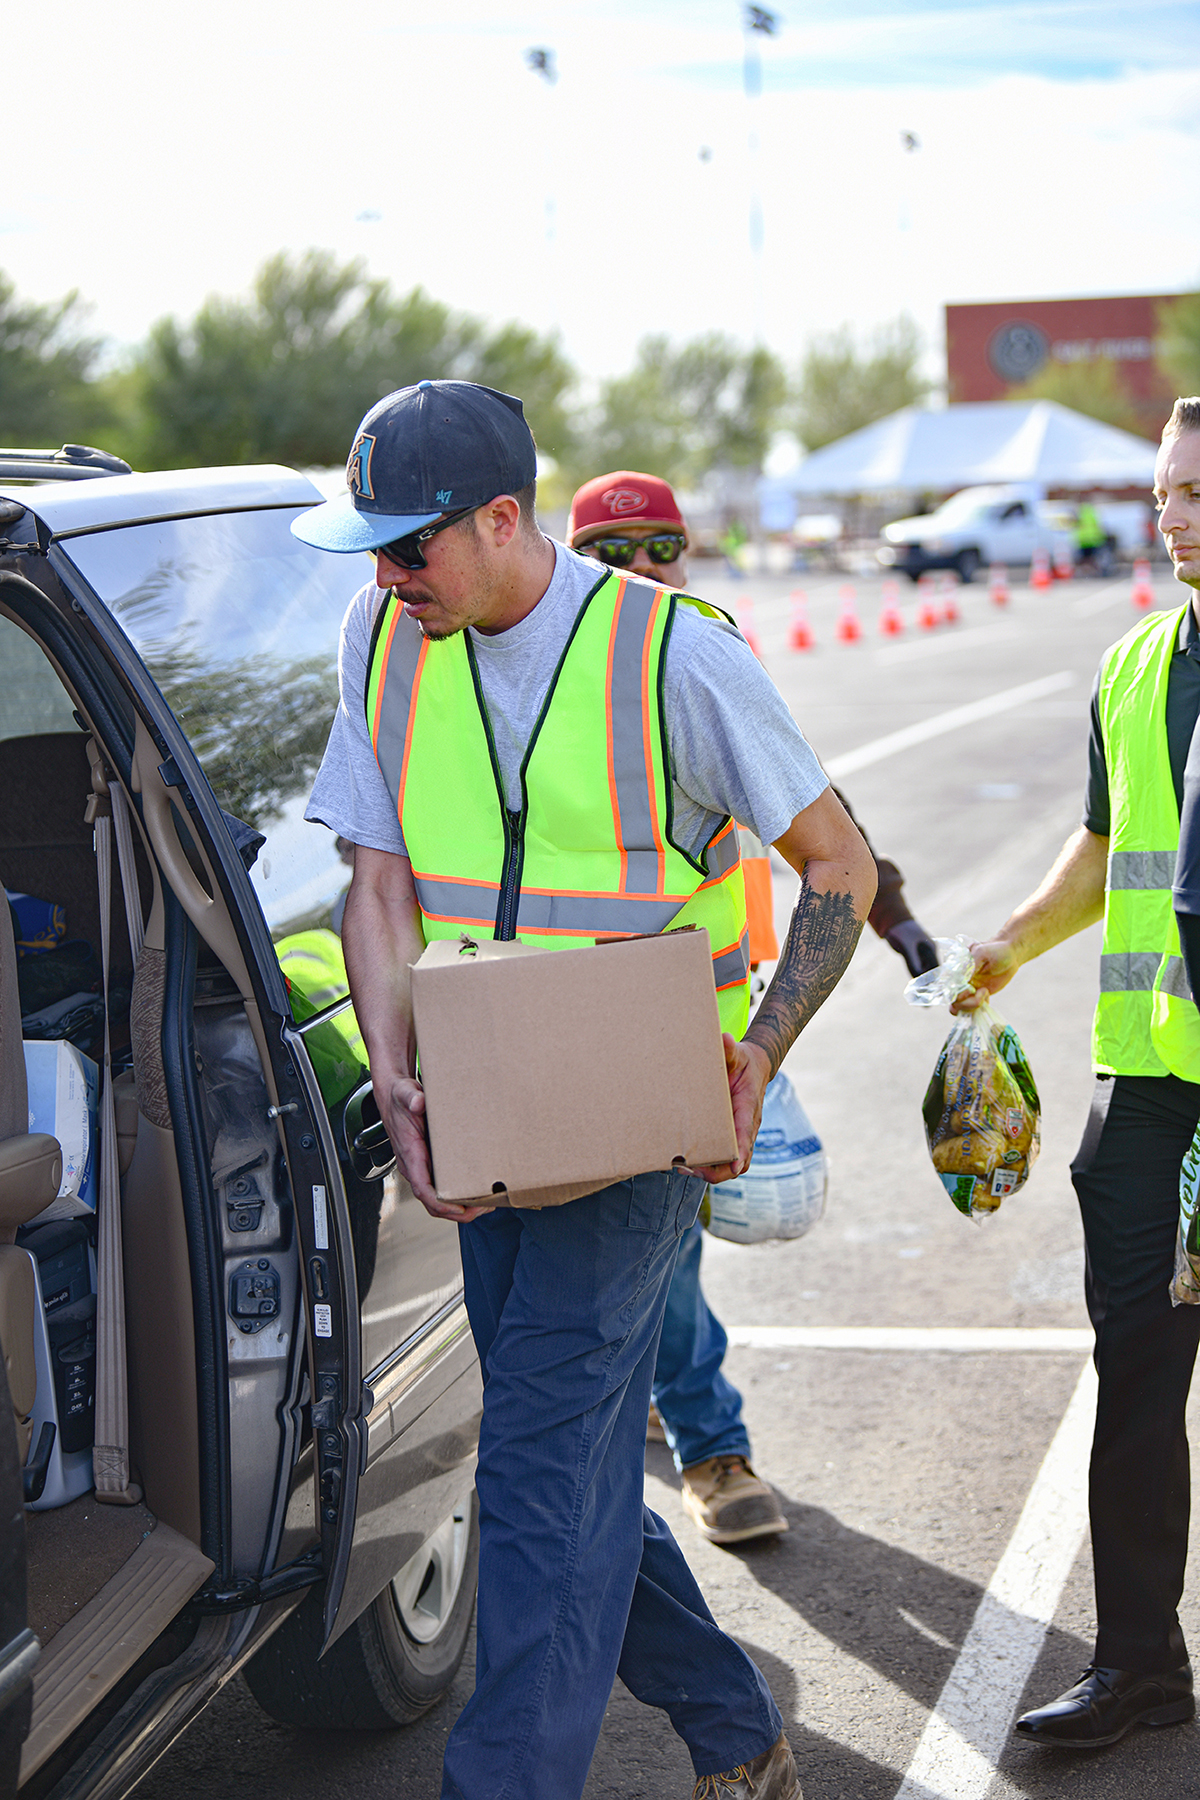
<point>843,386</point>
<point>1093,388</point>
<point>681,411</point>
<point>1179,343</point>
<point>286,375</point>
<point>259,736</point>
<point>47,397</point>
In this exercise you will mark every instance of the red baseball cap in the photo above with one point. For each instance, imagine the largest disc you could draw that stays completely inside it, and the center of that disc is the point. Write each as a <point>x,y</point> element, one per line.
<point>623,497</point>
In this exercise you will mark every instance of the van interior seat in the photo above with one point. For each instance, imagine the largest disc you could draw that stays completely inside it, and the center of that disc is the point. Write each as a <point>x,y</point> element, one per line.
<point>46,846</point>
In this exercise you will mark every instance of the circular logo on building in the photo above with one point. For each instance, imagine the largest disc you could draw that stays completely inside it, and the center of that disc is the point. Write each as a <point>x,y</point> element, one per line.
<point>1017,350</point>
<point>623,500</point>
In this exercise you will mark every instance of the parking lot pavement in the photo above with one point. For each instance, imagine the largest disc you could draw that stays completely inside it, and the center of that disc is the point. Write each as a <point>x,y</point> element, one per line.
<point>912,1606</point>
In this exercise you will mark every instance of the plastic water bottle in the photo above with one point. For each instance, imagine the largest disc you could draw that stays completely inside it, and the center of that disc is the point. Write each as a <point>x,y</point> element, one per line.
<point>782,1193</point>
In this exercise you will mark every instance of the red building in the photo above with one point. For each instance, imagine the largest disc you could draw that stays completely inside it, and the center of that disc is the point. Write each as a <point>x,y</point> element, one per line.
<point>993,348</point>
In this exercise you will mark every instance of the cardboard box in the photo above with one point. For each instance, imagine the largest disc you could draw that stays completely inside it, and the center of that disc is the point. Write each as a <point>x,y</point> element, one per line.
<point>550,1073</point>
<point>63,1088</point>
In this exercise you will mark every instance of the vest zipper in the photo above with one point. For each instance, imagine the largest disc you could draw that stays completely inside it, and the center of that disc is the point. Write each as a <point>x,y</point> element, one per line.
<point>510,881</point>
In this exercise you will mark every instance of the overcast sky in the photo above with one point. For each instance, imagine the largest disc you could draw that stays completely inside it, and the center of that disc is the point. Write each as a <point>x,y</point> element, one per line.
<point>162,153</point>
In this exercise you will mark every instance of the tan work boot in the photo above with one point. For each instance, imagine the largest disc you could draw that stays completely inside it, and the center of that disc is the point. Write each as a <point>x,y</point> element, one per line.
<point>727,1502</point>
<point>771,1776</point>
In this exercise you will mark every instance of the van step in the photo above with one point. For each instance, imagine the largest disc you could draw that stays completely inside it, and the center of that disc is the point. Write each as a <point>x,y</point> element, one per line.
<point>105,1638</point>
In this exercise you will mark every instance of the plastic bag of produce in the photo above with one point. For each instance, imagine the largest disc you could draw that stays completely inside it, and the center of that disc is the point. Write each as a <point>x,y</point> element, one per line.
<point>981,1109</point>
<point>782,1192</point>
<point>1185,1286</point>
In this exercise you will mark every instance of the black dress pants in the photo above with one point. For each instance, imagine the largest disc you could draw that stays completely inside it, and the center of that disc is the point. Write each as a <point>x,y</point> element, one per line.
<point>1126,1176</point>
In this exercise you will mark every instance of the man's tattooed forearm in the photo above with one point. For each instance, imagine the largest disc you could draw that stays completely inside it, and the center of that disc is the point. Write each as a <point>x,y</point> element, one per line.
<point>820,943</point>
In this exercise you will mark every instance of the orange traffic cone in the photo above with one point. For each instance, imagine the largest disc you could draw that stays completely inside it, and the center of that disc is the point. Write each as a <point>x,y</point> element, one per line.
<point>848,629</point>
<point>890,622</point>
<point>927,612</point>
<point>1143,588</point>
<point>1039,573</point>
<point>744,614</point>
<point>950,613</point>
<point>800,635</point>
<point>1064,564</point>
<point>998,585</point>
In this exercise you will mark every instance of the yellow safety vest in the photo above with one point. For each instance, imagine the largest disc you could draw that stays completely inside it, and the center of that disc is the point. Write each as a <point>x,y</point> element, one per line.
<point>315,972</point>
<point>590,853</point>
<point>1146,1021</point>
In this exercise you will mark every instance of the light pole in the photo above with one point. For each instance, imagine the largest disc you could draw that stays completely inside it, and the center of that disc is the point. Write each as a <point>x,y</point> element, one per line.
<point>541,62</point>
<point>757,23</point>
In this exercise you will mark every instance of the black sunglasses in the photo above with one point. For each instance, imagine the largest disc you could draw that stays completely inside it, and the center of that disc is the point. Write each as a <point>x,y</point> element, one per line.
<point>619,552</point>
<point>406,551</point>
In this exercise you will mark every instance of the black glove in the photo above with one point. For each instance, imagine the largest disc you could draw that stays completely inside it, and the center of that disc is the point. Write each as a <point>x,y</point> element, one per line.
<point>910,940</point>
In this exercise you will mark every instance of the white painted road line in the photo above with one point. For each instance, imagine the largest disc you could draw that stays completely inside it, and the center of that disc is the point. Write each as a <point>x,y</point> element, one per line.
<point>957,1752</point>
<point>940,723</point>
<point>970,1338</point>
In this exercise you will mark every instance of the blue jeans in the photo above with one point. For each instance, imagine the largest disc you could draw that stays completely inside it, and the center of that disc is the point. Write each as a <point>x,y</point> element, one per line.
<point>578,1580</point>
<point>701,1410</point>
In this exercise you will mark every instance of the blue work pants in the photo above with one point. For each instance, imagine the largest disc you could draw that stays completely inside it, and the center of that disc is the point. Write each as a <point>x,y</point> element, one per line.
<point>578,1580</point>
<point>700,1409</point>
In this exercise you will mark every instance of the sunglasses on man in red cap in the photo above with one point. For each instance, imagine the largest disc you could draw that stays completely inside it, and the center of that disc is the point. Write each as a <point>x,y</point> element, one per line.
<point>619,551</point>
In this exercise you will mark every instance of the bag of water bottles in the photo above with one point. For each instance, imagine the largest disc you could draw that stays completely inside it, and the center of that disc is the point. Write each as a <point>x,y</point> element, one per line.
<point>782,1192</point>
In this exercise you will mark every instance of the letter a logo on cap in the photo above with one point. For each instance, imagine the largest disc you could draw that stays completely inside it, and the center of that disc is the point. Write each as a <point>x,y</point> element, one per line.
<point>358,467</point>
<point>623,500</point>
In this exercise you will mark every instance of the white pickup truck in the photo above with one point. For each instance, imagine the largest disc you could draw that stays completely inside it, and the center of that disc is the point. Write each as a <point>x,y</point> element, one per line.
<point>976,526</point>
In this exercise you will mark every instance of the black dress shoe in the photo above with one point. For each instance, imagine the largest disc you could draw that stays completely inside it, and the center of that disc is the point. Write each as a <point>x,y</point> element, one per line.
<point>1106,1703</point>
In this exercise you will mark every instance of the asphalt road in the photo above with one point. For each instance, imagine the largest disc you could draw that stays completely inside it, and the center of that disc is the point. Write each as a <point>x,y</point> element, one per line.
<point>903,1618</point>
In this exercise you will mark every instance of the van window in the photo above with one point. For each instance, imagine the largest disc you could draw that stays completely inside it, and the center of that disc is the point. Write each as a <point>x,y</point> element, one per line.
<point>238,622</point>
<point>33,701</point>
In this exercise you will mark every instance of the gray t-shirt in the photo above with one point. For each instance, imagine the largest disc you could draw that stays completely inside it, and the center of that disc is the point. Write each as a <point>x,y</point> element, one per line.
<point>734,746</point>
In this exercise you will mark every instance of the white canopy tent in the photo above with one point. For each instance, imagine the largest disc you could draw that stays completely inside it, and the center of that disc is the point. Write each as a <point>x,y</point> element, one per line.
<point>1034,442</point>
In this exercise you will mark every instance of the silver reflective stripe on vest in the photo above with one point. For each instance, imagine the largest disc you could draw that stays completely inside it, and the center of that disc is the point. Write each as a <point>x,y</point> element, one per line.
<point>721,854</point>
<point>630,749</point>
<point>473,902</point>
<point>733,966</point>
<point>1129,971</point>
<point>398,678</point>
<point>575,915</point>
<point>584,915</point>
<point>1142,869</point>
<point>1174,980</point>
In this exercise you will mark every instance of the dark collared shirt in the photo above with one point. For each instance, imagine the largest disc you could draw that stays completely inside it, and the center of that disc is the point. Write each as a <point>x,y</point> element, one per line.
<point>1183,709</point>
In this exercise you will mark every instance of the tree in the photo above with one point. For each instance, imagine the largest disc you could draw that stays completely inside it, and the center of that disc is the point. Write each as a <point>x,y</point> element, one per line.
<point>680,412</point>
<point>46,364</point>
<point>1093,388</point>
<point>1179,343</point>
<point>285,375</point>
<point>842,387</point>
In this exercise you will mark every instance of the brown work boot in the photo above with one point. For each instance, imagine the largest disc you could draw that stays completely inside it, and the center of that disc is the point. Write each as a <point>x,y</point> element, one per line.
<point>654,1427</point>
<point>771,1776</point>
<point>726,1501</point>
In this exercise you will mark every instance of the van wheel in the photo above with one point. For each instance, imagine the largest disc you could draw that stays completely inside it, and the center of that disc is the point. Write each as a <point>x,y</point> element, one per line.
<point>395,1661</point>
<point>967,562</point>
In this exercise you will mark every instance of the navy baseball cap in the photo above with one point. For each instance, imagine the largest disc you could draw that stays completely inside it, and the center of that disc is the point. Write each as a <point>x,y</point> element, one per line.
<point>433,448</point>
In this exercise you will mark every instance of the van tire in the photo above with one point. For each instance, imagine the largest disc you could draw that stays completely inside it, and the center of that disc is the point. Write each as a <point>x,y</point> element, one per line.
<point>968,563</point>
<point>377,1675</point>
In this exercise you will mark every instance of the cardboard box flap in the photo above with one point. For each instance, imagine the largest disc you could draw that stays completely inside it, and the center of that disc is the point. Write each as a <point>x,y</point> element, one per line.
<point>444,951</point>
<point>556,1070</point>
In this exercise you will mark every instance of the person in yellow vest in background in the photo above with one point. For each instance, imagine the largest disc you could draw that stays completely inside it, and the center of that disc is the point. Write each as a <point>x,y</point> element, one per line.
<point>630,520</point>
<point>1092,550</point>
<point>532,746</point>
<point>1122,866</point>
